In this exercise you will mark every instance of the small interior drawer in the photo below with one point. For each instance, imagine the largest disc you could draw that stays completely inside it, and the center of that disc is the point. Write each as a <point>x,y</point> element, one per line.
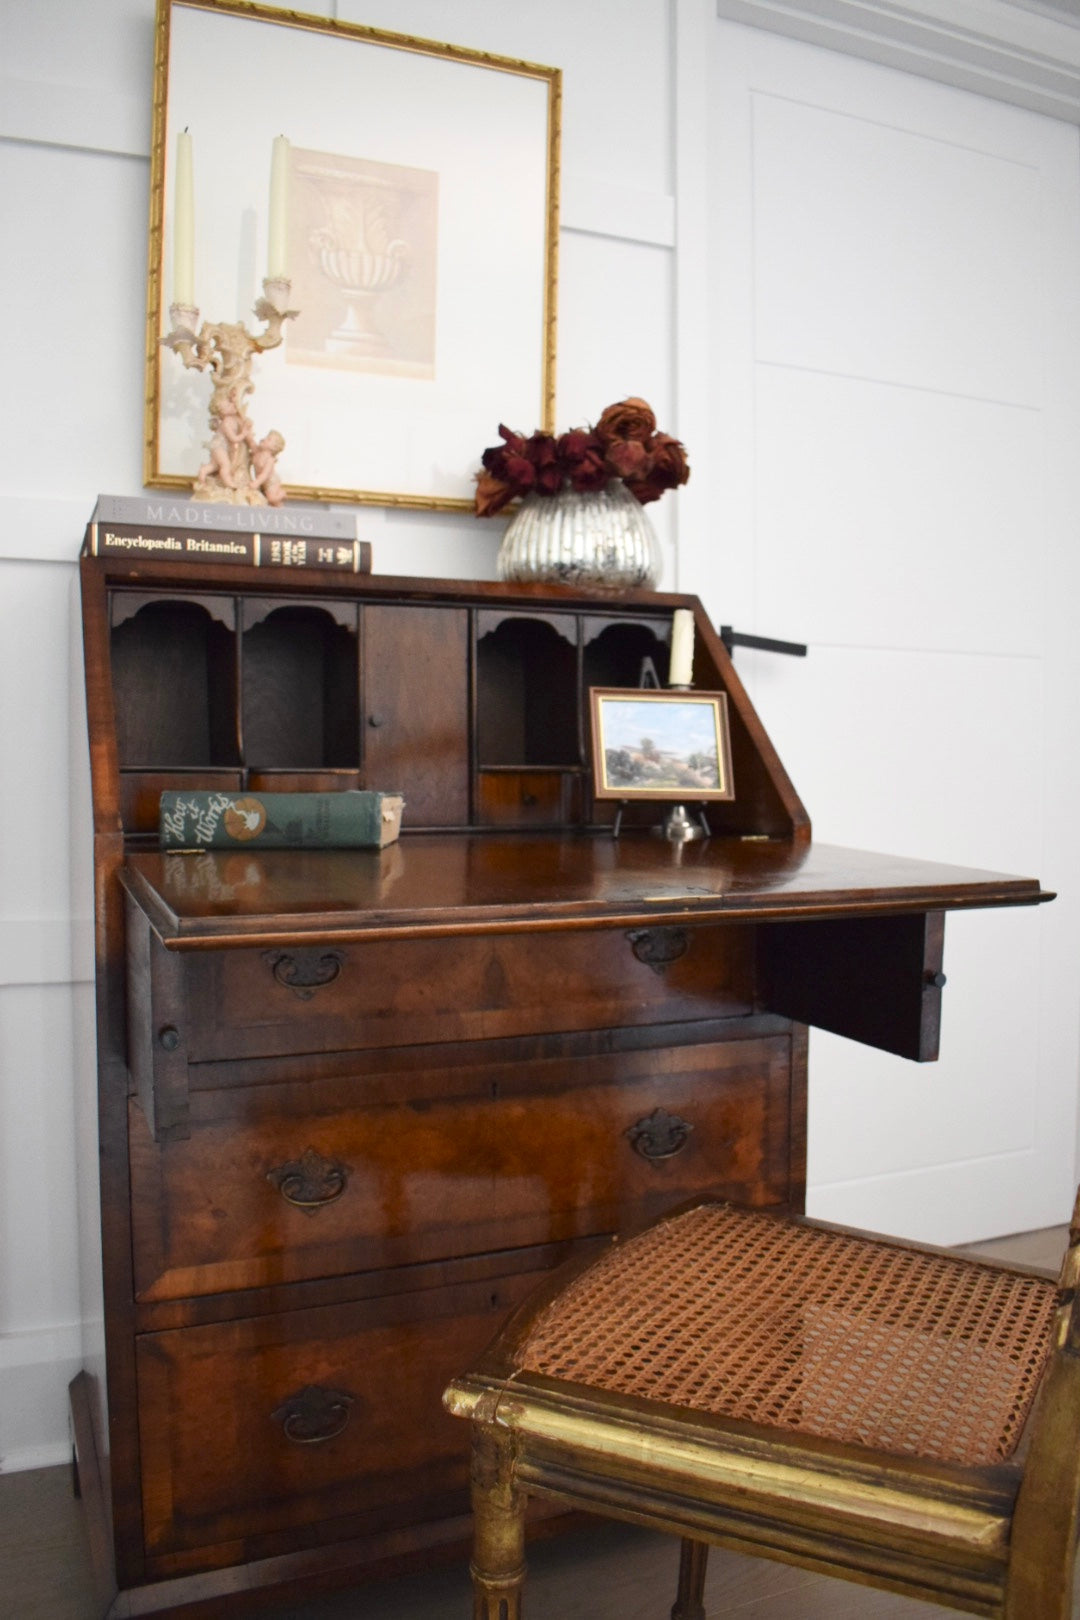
<point>527,798</point>
<point>266,1190</point>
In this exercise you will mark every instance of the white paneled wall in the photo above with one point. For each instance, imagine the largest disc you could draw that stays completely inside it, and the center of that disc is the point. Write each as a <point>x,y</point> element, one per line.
<point>853,293</point>
<point>896,351</point>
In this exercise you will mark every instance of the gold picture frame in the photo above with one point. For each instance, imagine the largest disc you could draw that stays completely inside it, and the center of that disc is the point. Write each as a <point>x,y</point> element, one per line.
<point>664,746</point>
<point>435,159</point>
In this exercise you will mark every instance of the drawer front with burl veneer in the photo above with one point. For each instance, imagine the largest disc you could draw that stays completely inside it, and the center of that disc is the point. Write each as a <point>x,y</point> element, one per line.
<point>252,1003</point>
<point>295,1181</point>
<point>252,1430</point>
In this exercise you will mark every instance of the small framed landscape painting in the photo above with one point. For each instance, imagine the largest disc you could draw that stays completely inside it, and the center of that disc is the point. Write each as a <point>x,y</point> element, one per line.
<point>660,745</point>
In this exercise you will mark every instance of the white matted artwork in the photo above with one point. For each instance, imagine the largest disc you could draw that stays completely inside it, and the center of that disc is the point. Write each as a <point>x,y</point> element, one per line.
<point>421,234</point>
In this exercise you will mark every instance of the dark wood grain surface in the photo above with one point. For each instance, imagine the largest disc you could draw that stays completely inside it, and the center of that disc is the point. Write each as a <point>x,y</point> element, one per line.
<point>353,1104</point>
<point>453,883</point>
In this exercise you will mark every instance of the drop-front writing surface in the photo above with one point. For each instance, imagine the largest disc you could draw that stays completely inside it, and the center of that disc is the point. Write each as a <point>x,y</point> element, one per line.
<point>543,881</point>
<point>353,1104</point>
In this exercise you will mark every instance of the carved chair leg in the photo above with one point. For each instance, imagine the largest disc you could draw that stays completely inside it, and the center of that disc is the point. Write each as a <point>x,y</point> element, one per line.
<point>693,1563</point>
<point>498,1565</point>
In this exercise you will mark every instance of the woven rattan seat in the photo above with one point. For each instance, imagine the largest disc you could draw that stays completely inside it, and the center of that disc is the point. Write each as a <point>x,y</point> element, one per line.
<point>900,1416</point>
<point>727,1311</point>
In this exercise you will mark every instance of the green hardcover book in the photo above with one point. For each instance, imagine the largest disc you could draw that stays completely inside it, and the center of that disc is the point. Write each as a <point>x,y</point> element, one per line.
<point>349,820</point>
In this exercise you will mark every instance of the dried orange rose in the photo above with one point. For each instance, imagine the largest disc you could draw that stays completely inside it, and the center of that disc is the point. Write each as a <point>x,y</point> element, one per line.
<point>629,419</point>
<point>492,494</point>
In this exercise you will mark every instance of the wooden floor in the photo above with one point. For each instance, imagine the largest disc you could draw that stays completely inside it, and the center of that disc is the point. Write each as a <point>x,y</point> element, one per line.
<point>607,1573</point>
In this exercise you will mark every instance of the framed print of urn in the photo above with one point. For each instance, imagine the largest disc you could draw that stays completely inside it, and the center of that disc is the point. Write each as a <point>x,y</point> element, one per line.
<point>414,210</point>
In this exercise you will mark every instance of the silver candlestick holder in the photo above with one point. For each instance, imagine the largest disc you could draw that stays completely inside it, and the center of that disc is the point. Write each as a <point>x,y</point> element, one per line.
<point>240,469</point>
<point>678,826</point>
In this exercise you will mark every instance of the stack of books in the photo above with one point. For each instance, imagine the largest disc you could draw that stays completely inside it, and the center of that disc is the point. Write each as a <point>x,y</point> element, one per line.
<point>152,527</point>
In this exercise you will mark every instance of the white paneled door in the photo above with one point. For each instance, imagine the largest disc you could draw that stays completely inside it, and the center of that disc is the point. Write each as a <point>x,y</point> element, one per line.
<point>895,472</point>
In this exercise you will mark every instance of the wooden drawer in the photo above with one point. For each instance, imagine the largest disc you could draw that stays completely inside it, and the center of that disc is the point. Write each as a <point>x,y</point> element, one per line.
<point>527,798</point>
<point>270,1424</point>
<point>251,1003</point>
<point>267,1189</point>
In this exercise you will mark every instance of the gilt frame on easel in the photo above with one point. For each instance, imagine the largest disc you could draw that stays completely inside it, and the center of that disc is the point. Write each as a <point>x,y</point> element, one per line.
<point>661,746</point>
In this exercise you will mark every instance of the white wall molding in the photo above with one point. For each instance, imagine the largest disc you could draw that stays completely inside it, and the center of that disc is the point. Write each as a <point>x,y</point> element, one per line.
<point>988,46</point>
<point>43,528</point>
<point>74,115</point>
<point>46,950</point>
<point>603,209</point>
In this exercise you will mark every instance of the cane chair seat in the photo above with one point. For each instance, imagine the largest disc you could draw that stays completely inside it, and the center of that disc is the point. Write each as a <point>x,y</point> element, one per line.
<point>901,1416</point>
<point>794,1327</point>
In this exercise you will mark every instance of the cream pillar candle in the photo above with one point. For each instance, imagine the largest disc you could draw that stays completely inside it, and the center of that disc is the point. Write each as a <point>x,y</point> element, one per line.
<point>681,665</point>
<point>277,257</point>
<point>183,291</point>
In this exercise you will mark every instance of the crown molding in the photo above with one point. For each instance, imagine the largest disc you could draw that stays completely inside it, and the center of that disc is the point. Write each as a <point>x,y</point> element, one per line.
<point>994,48</point>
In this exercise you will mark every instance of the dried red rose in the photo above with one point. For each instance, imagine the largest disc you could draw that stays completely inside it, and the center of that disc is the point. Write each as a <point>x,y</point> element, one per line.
<point>645,490</point>
<point>541,453</point>
<point>628,458</point>
<point>581,458</point>
<point>669,464</point>
<point>496,457</point>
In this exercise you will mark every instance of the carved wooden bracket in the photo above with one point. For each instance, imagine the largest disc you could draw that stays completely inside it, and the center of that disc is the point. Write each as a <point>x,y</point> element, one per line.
<point>310,1182</point>
<point>659,1135</point>
<point>658,947</point>
<point>314,1415</point>
<point>305,969</point>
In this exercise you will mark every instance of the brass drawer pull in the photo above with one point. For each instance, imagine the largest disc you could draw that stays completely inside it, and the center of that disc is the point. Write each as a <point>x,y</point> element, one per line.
<point>658,947</point>
<point>310,1182</point>
<point>305,971</point>
<point>314,1415</point>
<point>659,1135</point>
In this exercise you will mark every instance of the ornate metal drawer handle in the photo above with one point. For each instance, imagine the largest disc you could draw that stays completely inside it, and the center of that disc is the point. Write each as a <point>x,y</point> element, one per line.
<point>659,1135</point>
<point>314,1415</point>
<point>658,947</point>
<point>305,971</point>
<point>310,1182</point>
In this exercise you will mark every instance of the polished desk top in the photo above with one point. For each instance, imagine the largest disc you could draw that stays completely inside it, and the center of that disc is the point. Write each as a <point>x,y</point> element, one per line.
<point>452,883</point>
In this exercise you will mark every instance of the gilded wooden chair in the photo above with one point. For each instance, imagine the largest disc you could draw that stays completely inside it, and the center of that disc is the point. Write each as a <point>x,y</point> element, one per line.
<point>904,1417</point>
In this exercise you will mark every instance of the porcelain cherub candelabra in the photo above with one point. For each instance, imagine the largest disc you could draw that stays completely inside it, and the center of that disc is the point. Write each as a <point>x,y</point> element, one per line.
<point>239,468</point>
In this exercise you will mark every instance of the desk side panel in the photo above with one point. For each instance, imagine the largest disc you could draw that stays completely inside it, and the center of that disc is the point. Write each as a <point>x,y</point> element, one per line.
<point>877,980</point>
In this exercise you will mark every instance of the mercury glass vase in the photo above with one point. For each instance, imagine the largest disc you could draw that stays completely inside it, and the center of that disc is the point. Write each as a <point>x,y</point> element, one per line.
<point>601,538</point>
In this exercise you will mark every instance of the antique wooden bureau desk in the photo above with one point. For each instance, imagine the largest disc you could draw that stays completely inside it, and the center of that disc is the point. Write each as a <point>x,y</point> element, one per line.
<point>353,1103</point>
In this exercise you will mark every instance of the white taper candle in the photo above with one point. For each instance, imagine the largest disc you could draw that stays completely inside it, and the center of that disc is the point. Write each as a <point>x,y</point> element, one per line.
<point>277,257</point>
<point>681,665</point>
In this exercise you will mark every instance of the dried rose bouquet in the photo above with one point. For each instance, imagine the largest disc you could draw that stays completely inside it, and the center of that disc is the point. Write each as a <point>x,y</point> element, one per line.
<point>624,444</point>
